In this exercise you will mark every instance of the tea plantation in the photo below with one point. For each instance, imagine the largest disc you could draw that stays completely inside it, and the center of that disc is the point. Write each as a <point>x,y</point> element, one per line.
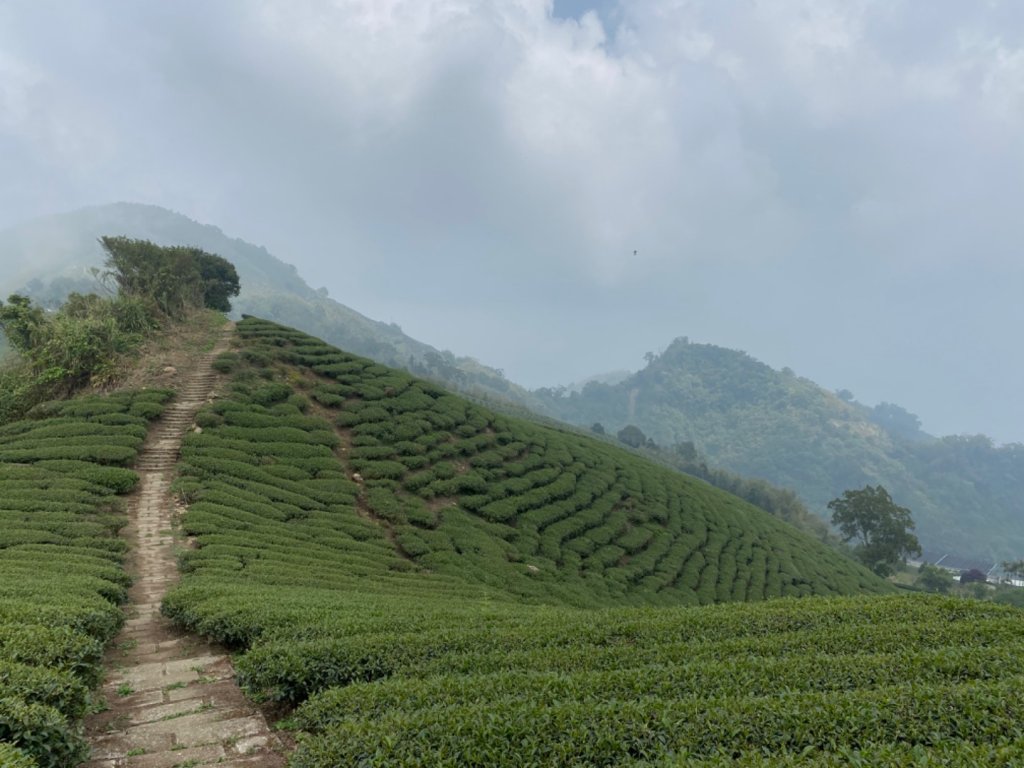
<point>61,579</point>
<point>433,584</point>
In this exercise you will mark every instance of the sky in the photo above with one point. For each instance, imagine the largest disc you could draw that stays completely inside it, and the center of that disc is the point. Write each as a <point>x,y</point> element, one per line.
<point>836,186</point>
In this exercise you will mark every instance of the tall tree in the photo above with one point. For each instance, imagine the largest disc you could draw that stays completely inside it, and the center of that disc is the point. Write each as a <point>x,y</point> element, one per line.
<point>880,528</point>
<point>175,277</point>
<point>21,322</point>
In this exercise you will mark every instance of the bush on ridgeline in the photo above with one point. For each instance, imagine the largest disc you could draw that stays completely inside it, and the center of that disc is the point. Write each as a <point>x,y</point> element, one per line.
<point>177,278</point>
<point>82,343</point>
<point>632,436</point>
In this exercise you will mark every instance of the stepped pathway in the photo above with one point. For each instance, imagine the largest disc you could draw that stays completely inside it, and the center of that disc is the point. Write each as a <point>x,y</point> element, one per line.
<point>172,698</point>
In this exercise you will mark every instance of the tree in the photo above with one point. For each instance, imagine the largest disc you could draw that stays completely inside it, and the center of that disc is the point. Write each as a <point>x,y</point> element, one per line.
<point>220,280</point>
<point>880,528</point>
<point>597,428</point>
<point>931,578</point>
<point>176,278</point>
<point>632,436</point>
<point>22,322</point>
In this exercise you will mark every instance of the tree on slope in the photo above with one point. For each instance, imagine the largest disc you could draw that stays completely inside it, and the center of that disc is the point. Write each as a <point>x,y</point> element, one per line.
<point>931,578</point>
<point>21,322</point>
<point>176,278</point>
<point>879,528</point>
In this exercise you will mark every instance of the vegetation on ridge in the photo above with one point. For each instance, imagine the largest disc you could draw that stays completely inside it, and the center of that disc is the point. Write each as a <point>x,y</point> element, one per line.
<point>880,527</point>
<point>274,290</point>
<point>538,513</point>
<point>86,340</point>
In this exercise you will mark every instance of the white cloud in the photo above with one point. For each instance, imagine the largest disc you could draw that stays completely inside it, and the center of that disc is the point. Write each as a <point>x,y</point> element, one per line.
<point>750,149</point>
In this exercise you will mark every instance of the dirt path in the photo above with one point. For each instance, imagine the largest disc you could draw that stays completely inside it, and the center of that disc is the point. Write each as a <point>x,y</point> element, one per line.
<point>172,698</point>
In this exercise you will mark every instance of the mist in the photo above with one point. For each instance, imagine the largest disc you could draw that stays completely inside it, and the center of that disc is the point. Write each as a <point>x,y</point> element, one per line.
<point>557,189</point>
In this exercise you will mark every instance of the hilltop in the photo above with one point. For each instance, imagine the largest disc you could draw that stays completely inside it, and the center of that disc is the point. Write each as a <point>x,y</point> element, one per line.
<point>52,256</point>
<point>751,419</point>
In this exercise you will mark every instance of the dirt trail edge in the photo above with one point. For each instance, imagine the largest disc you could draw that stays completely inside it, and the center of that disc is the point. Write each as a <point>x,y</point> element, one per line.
<point>172,698</point>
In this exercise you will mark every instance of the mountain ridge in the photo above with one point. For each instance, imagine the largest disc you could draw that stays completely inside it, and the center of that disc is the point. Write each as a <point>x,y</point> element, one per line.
<point>749,418</point>
<point>731,411</point>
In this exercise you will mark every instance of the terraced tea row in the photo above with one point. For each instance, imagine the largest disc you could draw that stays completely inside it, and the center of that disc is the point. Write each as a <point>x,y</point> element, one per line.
<point>852,681</point>
<point>458,490</point>
<point>61,575</point>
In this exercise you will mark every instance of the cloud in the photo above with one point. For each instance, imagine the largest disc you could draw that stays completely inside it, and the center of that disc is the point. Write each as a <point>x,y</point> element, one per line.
<point>756,156</point>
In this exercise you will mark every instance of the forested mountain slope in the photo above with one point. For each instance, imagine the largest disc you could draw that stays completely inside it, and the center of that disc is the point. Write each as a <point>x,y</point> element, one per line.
<point>739,415</point>
<point>746,417</point>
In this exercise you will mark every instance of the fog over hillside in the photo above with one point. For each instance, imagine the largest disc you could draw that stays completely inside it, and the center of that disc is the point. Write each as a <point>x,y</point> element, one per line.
<point>565,186</point>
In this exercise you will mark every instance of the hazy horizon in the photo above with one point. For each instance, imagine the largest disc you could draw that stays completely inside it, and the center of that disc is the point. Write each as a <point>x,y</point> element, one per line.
<point>558,189</point>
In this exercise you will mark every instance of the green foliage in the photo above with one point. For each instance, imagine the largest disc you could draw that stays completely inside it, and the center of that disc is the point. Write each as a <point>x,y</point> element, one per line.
<point>41,732</point>
<point>61,352</point>
<point>880,527</point>
<point>925,676</point>
<point>402,533</point>
<point>226,362</point>
<point>61,578</point>
<point>632,436</point>
<point>12,757</point>
<point>753,421</point>
<point>86,340</point>
<point>435,584</point>
<point>219,279</point>
<point>21,322</point>
<point>175,278</point>
<point>931,578</point>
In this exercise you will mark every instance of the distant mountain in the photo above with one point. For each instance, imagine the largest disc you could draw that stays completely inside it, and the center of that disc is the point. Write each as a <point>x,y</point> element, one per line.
<point>965,493</point>
<point>49,257</point>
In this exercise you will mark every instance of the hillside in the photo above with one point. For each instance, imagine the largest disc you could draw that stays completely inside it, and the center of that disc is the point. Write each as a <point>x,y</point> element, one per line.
<point>427,582</point>
<point>411,570</point>
<point>50,257</point>
<point>751,419</point>
<point>462,492</point>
